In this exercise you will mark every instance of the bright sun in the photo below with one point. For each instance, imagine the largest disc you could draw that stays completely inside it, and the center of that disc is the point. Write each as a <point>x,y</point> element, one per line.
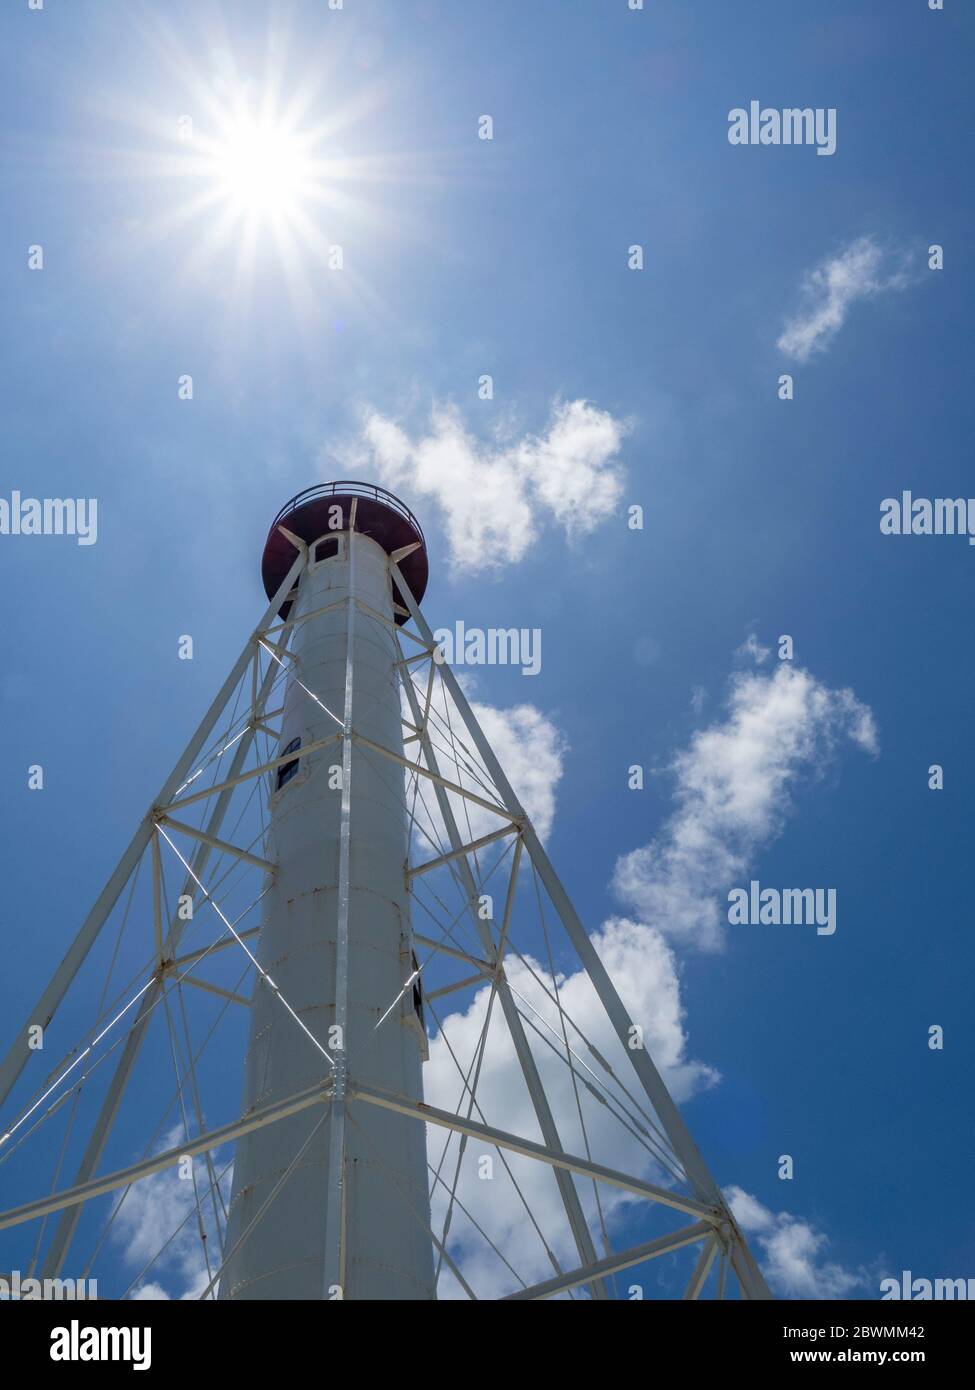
<point>263,168</point>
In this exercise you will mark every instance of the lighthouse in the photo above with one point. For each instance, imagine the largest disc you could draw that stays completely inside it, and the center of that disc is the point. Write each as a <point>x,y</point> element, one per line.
<point>351,1213</point>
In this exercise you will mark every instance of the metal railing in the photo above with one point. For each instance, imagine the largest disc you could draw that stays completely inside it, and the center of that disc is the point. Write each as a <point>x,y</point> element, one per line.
<point>347,487</point>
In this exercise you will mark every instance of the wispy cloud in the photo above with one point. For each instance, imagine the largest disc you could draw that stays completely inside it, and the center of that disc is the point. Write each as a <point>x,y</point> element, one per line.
<point>859,271</point>
<point>752,648</point>
<point>496,497</point>
<point>734,790</point>
<point>793,1252</point>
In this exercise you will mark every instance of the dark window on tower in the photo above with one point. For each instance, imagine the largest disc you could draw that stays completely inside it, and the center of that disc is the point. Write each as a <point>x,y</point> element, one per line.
<point>287,770</point>
<point>418,993</point>
<point>326,548</point>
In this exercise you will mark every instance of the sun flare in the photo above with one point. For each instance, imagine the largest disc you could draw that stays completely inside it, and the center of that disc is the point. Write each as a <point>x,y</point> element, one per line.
<point>266,172</point>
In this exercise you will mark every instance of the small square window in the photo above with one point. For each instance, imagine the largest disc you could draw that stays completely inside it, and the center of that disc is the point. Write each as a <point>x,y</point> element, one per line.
<point>326,548</point>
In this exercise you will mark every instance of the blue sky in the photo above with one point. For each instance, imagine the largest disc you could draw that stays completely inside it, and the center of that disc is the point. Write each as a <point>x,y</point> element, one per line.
<point>509,257</point>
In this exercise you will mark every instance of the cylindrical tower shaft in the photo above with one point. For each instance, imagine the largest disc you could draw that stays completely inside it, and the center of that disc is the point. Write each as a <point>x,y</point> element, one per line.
<point>333,953</point>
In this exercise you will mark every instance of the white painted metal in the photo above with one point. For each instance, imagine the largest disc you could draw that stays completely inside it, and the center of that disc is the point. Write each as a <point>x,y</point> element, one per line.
<point>72,1198</point>
<point>384,1249</point>
<point>612,1264</point>
<point>556,1156</point>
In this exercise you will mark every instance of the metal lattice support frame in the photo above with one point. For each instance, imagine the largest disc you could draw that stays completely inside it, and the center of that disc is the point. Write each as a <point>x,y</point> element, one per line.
<point>750,1278</point>
<point>712,1226</point>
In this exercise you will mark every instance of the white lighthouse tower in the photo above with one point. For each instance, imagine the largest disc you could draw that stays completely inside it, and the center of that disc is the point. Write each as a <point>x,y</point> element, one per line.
<point>352,1219</point>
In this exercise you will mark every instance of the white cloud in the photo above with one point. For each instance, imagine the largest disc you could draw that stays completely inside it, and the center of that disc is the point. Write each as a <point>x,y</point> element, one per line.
<point>496,497</point>
<point>530,750</point>
<point>828,291</point>
<point>751,647</point>
<point>570,468</point>
<point>153,1208</point>
<point>645,971</point>
<point>529,747</point>
<point>735,787</point>
<point>149,1293</point>
<point>793,1250</point>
